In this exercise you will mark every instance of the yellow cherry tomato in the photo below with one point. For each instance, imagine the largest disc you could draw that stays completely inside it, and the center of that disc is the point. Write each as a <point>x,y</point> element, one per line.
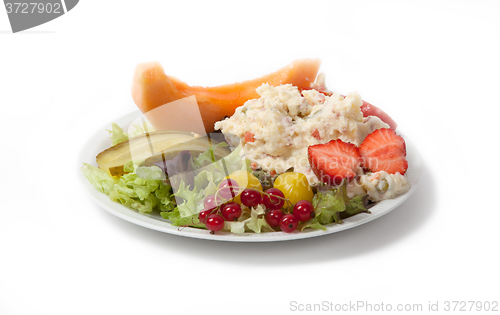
<point>294,186</point>
<point>245,180</point>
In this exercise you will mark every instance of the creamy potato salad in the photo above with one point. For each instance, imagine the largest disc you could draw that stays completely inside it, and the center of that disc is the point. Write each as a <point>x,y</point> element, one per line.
<point>276,130</point>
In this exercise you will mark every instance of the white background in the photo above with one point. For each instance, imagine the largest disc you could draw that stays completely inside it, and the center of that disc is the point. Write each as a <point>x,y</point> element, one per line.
<point>433,65</point>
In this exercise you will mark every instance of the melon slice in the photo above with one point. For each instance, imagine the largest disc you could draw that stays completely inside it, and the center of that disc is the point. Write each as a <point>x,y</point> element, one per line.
<point>152,88</point>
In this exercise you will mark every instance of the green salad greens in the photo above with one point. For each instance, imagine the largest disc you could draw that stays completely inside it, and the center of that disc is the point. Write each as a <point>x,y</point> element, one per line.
<point>141,189</point>
<point>117,135</point>
<point>332,205</point>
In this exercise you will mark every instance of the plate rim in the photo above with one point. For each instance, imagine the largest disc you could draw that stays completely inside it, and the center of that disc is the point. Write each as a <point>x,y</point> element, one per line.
<point>89,149</point>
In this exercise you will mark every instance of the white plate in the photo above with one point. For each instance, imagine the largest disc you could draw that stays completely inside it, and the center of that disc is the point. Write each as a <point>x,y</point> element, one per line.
<point>100,141</point>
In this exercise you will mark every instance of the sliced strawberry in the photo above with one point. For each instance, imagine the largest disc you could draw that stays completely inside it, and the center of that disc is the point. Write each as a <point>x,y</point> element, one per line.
<point>384,150</point>
<point>334,161</point>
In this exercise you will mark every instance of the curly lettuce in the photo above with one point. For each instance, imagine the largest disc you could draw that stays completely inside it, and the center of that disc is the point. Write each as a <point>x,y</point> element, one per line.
<point>117,135</point>
<point>252,220</point>
<point>141,189</point>
<point>332,205</point>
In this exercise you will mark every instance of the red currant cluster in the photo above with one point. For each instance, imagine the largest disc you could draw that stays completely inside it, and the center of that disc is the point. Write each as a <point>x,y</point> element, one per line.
<point>217,209</point>
<point>302,211</point>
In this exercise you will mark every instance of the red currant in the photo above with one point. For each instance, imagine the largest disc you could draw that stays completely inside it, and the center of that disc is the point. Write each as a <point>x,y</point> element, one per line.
<point>231,211</point>
<point>202,216</point>
<point>273,217</point>
<point>228,189</point>
<point>303,210</point>
<point>289,223</point>
<point>251,198</point>
<point>209,202</point>
<point>214,222</point>
<point>273,202</point>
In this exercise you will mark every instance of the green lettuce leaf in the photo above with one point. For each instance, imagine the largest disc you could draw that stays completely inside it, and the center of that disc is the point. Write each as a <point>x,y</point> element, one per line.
<point>176,219</point>
<point>139,129</point>
<point>328,204</point>
<point>314,225</point>
<point>257,223</point>
<point>116,134</point>
<point>142,194</point>
<point>208,157</point>
<point>355,206</point>
<point>205,181</point>
<point>100,179</point>
<point>235,226</point>
<point>150,172</point>
<point>165,196</point>
<point>333,205</point>
<point>228,164</point>
<point>193,201</point>
<point>251,220</point>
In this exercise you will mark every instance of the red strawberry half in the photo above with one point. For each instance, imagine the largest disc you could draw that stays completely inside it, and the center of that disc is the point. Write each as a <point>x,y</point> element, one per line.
<point>334,161</point>
<point>384,150</point>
